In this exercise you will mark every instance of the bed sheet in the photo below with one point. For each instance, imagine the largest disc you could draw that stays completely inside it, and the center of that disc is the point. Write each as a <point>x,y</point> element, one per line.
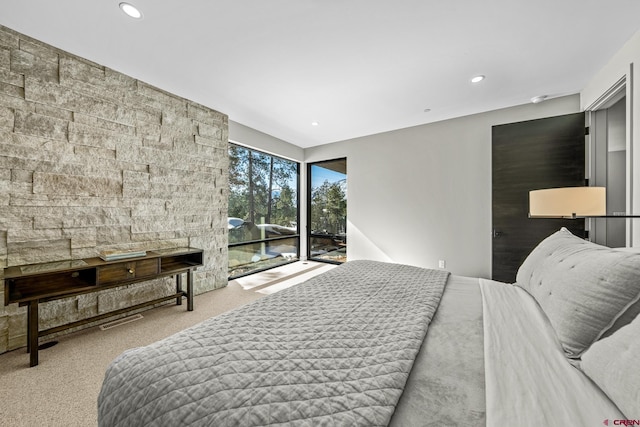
<point>529,381</point>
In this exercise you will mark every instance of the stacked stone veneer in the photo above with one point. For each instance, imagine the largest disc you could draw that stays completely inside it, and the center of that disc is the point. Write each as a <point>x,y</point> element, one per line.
<point>91,159</point>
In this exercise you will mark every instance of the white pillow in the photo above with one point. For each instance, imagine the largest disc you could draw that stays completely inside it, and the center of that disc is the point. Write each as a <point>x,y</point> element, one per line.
<point>584,289</point>
<point>614,364</point>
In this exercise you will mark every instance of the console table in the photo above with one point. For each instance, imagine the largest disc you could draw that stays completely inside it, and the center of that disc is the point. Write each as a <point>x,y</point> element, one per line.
<point>35,283</point>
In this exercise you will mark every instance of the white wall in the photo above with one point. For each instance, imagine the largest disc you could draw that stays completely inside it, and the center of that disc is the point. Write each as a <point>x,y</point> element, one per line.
<point>422,194</point>
<point>624,64</point>
<point>243,135</point>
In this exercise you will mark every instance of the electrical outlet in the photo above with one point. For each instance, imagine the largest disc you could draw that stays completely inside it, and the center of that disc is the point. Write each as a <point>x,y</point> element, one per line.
<point>442,264</point>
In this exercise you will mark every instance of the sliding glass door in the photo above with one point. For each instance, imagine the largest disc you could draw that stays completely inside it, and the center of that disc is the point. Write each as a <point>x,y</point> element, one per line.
<point>263,211</point>
<point>327,211</point>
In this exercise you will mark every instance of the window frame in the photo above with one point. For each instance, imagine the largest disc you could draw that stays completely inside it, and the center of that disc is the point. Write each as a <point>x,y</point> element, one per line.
<point>309,234</point>
<point>295,236</point>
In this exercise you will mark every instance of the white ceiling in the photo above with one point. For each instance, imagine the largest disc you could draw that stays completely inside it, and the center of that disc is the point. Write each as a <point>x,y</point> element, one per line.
<point>357,67</point>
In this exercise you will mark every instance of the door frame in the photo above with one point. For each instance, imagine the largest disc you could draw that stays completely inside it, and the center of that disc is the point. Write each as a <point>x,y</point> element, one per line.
<point>621,88</point>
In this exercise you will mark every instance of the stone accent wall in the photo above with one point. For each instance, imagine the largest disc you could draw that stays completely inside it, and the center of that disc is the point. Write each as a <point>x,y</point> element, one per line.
<point>91,159</point>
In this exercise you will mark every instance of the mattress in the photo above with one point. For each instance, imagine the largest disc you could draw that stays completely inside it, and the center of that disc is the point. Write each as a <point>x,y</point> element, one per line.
<point>487,357</point>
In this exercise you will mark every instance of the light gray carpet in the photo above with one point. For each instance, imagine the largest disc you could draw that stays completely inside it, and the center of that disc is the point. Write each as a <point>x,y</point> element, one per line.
<point>63,389</point>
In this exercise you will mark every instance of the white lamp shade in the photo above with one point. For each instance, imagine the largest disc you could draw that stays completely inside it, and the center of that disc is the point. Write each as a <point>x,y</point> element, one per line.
<point>568,202</point>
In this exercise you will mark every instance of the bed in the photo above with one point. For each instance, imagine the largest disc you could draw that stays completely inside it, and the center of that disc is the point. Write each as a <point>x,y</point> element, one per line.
<point>371,343</point>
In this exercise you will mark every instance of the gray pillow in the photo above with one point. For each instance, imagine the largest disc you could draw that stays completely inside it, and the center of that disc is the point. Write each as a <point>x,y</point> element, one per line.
<point>586,290</point>
<point>614,364</point>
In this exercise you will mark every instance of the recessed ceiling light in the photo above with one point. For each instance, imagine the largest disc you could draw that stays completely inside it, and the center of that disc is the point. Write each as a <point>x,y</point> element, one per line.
<point>131,10</point>
<point>538,99</point>
<point>477,79</point>
<point>314,123</point>
<point>427,110</point>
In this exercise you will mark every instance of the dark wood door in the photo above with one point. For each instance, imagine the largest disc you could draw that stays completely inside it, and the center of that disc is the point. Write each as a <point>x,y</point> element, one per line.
<point>531,155</point>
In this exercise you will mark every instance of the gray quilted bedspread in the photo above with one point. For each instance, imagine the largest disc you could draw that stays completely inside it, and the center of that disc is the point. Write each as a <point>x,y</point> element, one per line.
<point>335,350</point>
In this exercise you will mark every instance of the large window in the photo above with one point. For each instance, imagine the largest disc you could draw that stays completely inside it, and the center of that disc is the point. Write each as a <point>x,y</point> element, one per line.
<point>263,211</point>
<point>328,211</point>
